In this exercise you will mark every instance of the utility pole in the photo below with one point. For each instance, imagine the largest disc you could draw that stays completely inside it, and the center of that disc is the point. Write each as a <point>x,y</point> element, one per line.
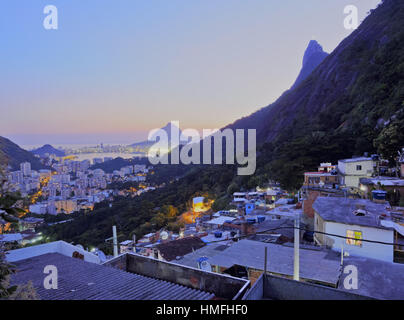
<point>115,241</point>
<point>265,265</point>
<point>296,270</point>
<point>342,253</point>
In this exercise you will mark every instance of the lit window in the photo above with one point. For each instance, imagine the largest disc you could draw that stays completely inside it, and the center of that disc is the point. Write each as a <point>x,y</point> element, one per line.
<point>356,238</point>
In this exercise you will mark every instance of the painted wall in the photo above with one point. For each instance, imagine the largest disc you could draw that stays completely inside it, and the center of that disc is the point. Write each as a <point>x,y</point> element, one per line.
<point>351,167</point>
<point>367,249</point>
<point>350,173</point>
<point>61,247</point>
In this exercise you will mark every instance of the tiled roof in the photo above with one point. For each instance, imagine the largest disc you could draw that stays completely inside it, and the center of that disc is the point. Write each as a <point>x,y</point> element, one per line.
<point>80,280</point>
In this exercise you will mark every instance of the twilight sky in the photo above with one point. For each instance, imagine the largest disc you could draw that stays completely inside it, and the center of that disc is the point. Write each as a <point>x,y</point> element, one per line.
<point>117,68</point>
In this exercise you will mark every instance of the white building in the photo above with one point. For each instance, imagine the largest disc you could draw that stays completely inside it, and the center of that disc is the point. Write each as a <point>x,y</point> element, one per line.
<point>352,170</point>
<point>25,168</point>
<point>359,219</point>
<point>38,208</point>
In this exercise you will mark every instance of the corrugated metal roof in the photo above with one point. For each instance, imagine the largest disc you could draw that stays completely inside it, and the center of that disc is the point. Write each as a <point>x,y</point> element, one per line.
<point>80,280</point>
<point>317,265</point>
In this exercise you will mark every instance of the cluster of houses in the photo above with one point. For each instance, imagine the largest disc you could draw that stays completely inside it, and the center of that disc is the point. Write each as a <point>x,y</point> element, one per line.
<point>343,216</point>
<point>26,234</point>
<point>357,199</point>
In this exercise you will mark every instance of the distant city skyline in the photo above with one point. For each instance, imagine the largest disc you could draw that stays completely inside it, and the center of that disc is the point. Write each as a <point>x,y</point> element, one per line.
<point>115,70</point>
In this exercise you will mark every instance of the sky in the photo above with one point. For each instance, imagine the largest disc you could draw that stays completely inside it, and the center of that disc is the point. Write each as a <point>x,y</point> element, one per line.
<point>115,69</point>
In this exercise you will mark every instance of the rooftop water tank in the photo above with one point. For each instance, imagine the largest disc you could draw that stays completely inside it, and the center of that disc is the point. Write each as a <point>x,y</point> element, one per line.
<point>251,221</point>
<point>218,234</point>
<point>379,195</point>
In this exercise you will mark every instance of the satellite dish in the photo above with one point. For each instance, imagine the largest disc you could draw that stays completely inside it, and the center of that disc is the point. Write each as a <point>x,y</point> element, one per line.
<point>80,246</point>
<point>164,235</point>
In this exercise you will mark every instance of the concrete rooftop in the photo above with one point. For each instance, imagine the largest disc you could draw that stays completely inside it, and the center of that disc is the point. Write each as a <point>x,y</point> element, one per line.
<point>341,210</point>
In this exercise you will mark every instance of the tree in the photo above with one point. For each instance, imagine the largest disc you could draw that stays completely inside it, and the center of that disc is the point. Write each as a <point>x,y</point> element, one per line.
<point>391,139</point>
<point>9,212</point>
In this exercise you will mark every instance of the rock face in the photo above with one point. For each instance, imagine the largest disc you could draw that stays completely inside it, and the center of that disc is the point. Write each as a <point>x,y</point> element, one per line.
<point>313,57</point>
<point>361,78</point>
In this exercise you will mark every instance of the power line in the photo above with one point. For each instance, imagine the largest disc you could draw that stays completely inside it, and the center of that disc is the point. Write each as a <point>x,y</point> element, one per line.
<point>303,229</point>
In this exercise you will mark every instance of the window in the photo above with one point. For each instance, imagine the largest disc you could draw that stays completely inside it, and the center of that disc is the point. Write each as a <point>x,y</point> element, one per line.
<point>356,238</point>
<point>358,168</point>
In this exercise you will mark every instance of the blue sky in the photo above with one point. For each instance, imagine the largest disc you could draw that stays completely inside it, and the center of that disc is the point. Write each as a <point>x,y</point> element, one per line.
<point>116,69</point>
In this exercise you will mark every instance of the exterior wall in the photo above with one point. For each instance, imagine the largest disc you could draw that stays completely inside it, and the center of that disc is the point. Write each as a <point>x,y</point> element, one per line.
<point>402,170</point>
<point>350,174</point>
<point>367,249</point>
<point>254,275</point>
<point>68,206</point>
<point>308,204</point>
<point>319,226</point>
<point>352,181</point>
<point>314,179</point>
<point>223,286</point>
<point>276,288</point>
<point>349,168</point>
<point>61,247</point>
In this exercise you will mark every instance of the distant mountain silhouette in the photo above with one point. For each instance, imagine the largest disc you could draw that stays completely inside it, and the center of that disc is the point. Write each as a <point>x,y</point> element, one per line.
<point>313,56</point>
<point>47,149</point>
<point>144,146</point>
<point>11,154</point>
